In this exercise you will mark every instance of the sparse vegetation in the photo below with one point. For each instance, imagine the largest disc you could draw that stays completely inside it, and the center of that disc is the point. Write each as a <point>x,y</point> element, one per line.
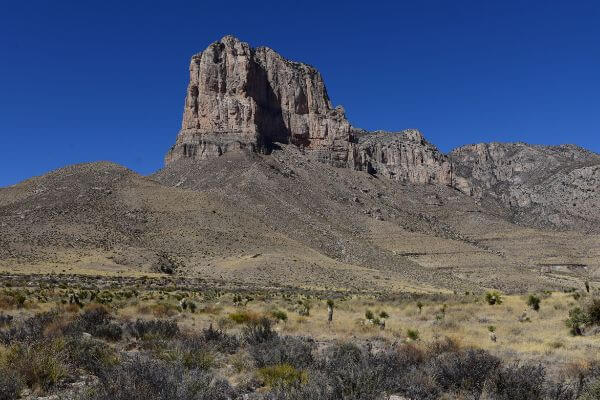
<point>413,334</point>
<point>533,301</point>
<point>186,357</point>
<point>493,298</point>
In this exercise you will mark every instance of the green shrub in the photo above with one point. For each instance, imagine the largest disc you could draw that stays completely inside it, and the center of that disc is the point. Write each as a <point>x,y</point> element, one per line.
<point>243,317</point>
<point>493,298</point>
<point>40,365</point>
<point>533,301</point>
<point>282,375</point>
<point>420,306</point>
<point>153,329</point>
<point>259,331</point>
<point>577,321</point>
<point>413,334</point>
<point>593,311</point>
<point>279,315</point>
<point>369,315</point>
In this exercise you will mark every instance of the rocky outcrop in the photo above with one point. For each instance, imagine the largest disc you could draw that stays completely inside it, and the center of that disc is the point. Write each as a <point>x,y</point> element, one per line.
<point>403,156</point>
<point>543,185</point>
<point>244,98</point>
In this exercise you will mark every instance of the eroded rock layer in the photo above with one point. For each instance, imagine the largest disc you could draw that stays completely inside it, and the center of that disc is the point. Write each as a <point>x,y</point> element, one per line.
<point>244,98</point>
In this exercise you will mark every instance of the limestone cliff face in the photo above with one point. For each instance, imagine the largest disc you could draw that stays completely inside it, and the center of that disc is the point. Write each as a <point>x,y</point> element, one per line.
<point>244,98</point>
<point>403,156</point>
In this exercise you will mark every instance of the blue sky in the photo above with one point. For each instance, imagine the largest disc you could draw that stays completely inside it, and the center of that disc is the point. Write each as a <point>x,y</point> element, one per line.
<point>105,80</point>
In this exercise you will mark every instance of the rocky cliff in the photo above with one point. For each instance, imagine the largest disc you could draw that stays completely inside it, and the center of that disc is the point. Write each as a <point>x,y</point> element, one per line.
<point>239,97</point>
<point>543,185</point>
<point>244,98</point>
<point>405,156</point>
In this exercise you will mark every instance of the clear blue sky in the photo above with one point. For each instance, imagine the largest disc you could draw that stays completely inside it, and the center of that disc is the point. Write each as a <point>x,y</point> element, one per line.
<point>105,80</point>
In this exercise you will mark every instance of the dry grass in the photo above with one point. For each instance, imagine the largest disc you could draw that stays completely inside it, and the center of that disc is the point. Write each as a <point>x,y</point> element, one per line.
<point>465,319</point>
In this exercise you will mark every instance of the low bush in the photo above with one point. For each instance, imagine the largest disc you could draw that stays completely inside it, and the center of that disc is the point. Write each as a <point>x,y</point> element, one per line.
<point>11,384</point>
<point>282,375</point>
<point>533,301</point>
<point>30,330</point>
<point>143,379</point>
<point>463,371</point>
<point>153,329</point>
<point>220,340</point>
<point>97,321</point>
<point>40,365</point>
<point>518,382</point>
<point>279,315</point>
<point>593,311</point>
<point>493,297</point>
<point>91,355</point>
<point>412,334</point>
<point>5,319</point>
<point>576,321</point>
<point>259,331</point>
<point>244,317</point>
<point>283,350</point>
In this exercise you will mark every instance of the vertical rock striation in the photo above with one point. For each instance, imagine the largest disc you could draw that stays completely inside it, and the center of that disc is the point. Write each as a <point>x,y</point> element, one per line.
<point>244,98</point>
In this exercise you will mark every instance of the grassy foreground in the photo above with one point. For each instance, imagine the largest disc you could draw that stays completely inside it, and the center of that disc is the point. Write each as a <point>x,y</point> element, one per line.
<point>140,342</point>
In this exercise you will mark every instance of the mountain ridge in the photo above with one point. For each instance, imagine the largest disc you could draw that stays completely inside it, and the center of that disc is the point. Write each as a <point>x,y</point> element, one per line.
<point>269,184</point>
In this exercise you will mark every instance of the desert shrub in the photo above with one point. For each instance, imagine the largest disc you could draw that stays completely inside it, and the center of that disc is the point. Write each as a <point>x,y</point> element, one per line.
<point>369,315</point>
<point>493,297</point>
<point>91,355</point>
<point>30,330</point>
<point>11,384</point>
<point>191,353</point>
<point>463,371</point>
<point>13,299</point>
<point>283,350</point>
<point>315,388</point>
<point>40,365</point>
<point>279,315</point>
<point>220,340</point>
<point>304,307</point>
<point>420,306</point>
<point>593,311</point>
<point>533,301</point>
<point>144,379</point>
<point>159,310</point>
<point>153,329</point>
<point>413,334</point>
<point>97,321</point>
<point>243,317</point>
<point>5,319</point>
<point>167,263</point>
<point>442,345</point>
<point>355,373</point>
<point>420,386</point>
<point>576,321</point>
<point>592,391</point>
<point>282,375</point>
<point>517,382</point>
<point>259,331</point>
